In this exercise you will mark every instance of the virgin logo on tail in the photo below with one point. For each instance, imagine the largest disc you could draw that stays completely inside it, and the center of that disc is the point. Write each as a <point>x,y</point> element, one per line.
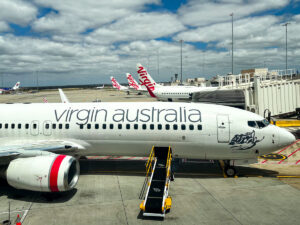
<point>115,83</point>
<point>132,82</point>
<point>144,77</point>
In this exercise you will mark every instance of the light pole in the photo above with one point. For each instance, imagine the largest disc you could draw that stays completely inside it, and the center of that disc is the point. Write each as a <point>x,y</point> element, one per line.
<point>231,43</point>
<point>181,61</point>
<point>286,25</point>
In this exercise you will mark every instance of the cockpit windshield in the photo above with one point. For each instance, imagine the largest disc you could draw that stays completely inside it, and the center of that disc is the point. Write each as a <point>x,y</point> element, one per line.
<point>258,124</point>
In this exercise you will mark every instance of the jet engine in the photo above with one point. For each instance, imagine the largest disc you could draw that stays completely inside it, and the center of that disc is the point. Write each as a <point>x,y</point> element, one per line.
<point>54,173</point>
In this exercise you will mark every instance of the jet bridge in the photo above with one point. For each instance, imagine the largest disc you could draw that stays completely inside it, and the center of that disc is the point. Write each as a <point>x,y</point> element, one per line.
<point>158,175</point>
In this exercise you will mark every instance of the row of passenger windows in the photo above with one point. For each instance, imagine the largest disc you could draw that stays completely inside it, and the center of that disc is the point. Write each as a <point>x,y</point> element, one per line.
<point>144,126</point>
<point>176,93</point>
<point>34,126</point>
<point>106,126</point>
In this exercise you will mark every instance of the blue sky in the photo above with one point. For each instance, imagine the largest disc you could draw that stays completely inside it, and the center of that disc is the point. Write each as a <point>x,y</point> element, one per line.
<point>81,42</point>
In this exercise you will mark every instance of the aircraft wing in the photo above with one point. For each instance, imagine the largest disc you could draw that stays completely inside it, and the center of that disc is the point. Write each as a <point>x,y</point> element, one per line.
<point>12,151</point>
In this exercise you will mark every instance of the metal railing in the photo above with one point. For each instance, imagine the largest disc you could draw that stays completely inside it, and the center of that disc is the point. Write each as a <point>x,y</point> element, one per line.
<point>149,167</point>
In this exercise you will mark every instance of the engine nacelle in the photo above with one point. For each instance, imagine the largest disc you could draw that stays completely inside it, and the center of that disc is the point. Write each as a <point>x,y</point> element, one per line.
<point>52,173</point>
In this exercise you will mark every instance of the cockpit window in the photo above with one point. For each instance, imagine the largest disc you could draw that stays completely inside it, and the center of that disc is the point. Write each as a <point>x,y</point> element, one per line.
<point>252,124</point>
<point>258,124</point>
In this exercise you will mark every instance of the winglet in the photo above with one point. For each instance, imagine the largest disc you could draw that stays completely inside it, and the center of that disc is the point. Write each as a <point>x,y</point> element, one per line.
<point>63,97</point>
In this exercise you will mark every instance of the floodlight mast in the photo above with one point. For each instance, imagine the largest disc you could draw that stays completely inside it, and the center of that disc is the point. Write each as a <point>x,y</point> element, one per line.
<point>286,25</point>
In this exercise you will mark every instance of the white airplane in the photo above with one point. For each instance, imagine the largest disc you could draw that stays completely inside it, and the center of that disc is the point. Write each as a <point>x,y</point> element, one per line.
<point>116,85</point>
<point>14,88</point>
<point>169,93</point>
<point>100,87</point>
<point>37,146</point>
<point>133,84</point>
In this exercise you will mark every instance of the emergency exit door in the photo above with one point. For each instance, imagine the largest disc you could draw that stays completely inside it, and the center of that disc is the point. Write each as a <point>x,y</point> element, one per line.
<point>223,128</point>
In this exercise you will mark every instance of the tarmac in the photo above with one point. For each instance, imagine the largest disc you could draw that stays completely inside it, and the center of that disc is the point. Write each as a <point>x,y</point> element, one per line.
<point>267,192</point>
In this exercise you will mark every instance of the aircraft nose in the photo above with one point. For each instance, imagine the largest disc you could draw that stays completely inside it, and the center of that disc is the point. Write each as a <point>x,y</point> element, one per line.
<point>286,137</point>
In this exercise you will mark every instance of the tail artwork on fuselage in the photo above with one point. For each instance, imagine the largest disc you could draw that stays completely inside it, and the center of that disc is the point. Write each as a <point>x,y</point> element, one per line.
<point>145,79</point>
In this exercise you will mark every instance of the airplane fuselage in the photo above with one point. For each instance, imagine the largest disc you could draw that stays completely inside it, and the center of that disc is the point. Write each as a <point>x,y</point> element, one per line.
<point>192,130</point>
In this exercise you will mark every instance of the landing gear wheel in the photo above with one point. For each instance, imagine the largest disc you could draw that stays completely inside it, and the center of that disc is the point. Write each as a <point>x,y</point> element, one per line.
<point>230,171</point>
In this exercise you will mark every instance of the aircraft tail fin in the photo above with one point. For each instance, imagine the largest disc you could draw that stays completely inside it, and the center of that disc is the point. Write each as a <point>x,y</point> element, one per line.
<point>150,92</point>
<point>115,83</point>
<point>63,97</point>
<point>17,86</point>
<point>132,82</point>
<point>145,79</point>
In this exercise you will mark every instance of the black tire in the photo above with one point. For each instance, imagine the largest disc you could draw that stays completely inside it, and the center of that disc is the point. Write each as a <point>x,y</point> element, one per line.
<point>230,171</point>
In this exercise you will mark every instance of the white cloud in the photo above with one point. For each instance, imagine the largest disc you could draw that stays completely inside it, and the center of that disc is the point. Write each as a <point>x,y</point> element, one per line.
<point>139,26</point>
<point>78,16</point>
<point>205,12</point>
<point>17,11</point>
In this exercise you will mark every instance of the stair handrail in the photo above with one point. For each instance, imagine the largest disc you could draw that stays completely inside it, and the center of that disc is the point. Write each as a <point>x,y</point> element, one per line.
<point>169,160</point>
<point>148,167</point>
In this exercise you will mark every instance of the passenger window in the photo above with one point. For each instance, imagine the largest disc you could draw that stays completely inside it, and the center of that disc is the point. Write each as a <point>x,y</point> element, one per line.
<point>191,127</point>
<point>104,126</point>
<point>60,126</point>
<point>53,126</point>
<point>12,126</point>
<point>159,126</point>
<point>167,126</point>
<point>175,127</point>
<point>6,126</point>
<point>0,125</point>
<point>34,126</point>
<point>151,126</point>
<point>26,126</point>
<point>81,126</point>
<point>199,127</point>
<point>111,126</point>
<point>119,126</point>
<point>182,127</point>
<point>96,126</point>
<point>88,126</point>
<point>144,126</point>
<point>47,126</point>
<point>127,126</point>
<point>19,126</point>
<point>67,126</point>
<point>136,126</point>
<point>252,124</point>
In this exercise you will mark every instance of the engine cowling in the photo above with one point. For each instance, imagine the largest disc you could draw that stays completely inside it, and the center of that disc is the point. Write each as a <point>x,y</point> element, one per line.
<point>53,173</point>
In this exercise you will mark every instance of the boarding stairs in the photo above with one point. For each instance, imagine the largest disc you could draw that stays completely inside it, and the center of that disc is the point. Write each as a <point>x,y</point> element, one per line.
<point>158,175</point>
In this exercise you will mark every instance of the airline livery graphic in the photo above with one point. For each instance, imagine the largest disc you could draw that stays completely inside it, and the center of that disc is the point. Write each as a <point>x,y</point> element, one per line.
<point>244,141</point>
<point>144,78</point>
<point>132,82</point>
<point>115,83</point>
<point>83,116</point>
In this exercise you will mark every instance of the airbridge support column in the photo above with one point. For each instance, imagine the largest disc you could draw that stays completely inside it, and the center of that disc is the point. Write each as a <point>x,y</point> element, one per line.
<point>257,94</point>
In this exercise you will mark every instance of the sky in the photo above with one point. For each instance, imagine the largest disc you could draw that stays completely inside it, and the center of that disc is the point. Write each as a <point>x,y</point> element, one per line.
<point>67,42</point>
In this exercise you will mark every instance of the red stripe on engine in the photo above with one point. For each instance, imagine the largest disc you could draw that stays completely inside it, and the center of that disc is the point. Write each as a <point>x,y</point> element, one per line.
<point>54,172</point>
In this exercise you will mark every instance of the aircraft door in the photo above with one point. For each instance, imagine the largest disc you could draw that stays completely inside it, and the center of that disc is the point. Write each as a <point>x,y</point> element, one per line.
<point>47,128</point>
<point>223,128</point>
<point>34,128</point>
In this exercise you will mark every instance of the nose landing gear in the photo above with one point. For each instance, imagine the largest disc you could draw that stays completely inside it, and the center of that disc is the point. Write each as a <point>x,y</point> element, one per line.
<point>229,170</point>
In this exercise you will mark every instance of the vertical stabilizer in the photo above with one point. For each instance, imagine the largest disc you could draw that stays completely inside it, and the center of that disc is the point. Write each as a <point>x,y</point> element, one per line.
<point>17,86</point>
<point>145,79</point>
